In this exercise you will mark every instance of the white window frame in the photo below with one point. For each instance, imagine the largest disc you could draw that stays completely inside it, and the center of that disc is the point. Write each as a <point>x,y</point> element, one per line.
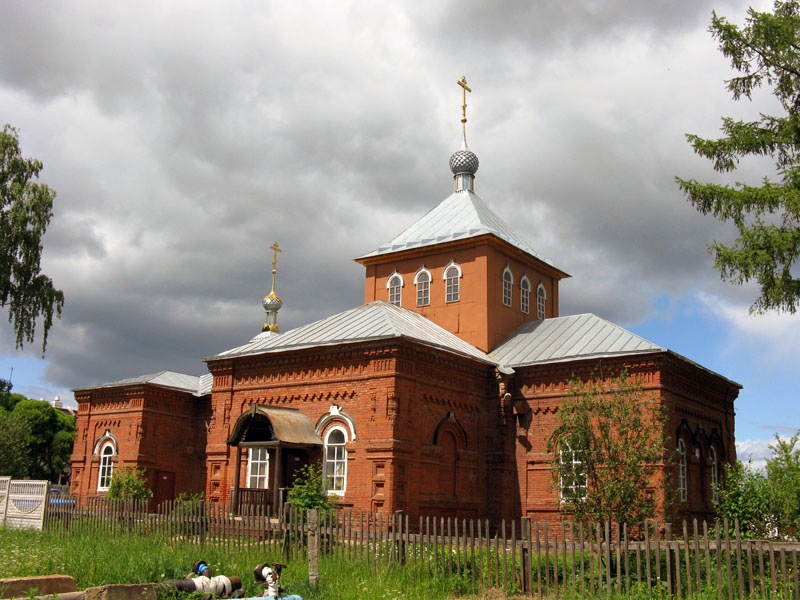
<point>338,459</point>
<point>568,456</point>
<point>261,458</point>
<point>508,287</point>
<point>423,281</point>
<point>525,294</point>
<point>683,491</point>
<point>395,291</point>
<point>106,470</point>
<point>541,301</point>
<point>712,455</point>
<point>452,282</point>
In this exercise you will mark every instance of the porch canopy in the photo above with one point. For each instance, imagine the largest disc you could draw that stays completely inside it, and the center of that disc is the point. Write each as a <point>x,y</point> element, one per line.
<point>275,428</point>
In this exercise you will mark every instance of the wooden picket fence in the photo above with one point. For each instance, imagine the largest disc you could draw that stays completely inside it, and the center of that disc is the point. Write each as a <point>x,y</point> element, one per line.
<point>523,556</point>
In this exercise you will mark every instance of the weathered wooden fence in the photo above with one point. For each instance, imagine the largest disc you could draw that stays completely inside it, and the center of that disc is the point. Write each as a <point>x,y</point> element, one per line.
<point>537,558</point>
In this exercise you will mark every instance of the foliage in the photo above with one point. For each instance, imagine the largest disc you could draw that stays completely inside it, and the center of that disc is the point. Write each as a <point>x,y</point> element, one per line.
<point>765,51</point>
<point>308,489</point>
<point>52,434</point>
<point>7,399</point>
<point>128,483</point>
<point>15,435</point>
<point>25,211</point>
<point>766,503</point>
<point>745,497</point>
<point>606,446</point>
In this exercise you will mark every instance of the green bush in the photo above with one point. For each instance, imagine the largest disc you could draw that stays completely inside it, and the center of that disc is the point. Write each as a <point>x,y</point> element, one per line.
<point>308,490</point>
<point>128,483</point>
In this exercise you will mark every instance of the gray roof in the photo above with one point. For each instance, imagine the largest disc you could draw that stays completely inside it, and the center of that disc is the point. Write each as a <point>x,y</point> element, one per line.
<point>377,320</point>
<point>569,338</point>
<point>199,386</point>
<point>460,216</point>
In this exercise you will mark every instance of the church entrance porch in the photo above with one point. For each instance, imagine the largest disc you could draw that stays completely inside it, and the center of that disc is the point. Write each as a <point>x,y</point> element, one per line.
<point>278,442</point>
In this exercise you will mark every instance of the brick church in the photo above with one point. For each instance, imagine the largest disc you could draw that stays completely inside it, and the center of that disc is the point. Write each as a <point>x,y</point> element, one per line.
<point>436,396</point>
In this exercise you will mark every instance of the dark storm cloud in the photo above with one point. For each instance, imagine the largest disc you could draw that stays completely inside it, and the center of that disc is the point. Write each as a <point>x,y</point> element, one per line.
<point>183,141</point>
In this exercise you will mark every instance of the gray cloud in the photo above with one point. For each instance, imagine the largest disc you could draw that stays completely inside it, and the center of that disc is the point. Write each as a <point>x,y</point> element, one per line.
<point>183,141</point>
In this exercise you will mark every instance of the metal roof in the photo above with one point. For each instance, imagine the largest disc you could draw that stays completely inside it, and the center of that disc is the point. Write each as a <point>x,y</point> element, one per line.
<point>199,386</point>
<point>374,321</point>
<point>288,425</point>
<point>460,216</point>
<point>569,338</point>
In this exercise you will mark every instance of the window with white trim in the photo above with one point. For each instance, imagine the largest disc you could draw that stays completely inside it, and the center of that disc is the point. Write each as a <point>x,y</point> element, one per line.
<point>395,289</point>
<point>572,476</point>
<point>106,467</point>
<point>423,283</point>
<point>336,460</point>
<point>682,489</point>
<point>541,301</point>
<point>712,454</point>
<point>452,276</point>
<point>508,286</point>
<point>525,295</point>
<point>258,468</point>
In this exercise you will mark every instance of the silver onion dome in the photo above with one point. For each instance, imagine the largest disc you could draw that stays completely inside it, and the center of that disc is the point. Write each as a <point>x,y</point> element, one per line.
<point>464,161</point>
<point>272,303</point>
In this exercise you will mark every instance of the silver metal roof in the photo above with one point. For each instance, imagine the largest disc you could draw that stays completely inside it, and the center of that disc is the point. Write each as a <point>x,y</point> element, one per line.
<point>569,338</point>
<point>199,386</point>
<point>461,215</point>
<point>374,321</point>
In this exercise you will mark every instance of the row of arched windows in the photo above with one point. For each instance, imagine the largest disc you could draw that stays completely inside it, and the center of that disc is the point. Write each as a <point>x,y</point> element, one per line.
<point>524,294</point>
<point>423,281</point>
<point>452,289</point>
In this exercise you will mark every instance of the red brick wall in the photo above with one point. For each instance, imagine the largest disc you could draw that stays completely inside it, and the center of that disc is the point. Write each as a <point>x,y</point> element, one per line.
<point>479,317</point>
<point>701,399</point>
<point>156,429</point>
<point>396,393</point>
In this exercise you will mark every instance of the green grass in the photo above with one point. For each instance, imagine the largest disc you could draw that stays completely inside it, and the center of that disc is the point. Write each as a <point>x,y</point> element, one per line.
<point>97,559</point>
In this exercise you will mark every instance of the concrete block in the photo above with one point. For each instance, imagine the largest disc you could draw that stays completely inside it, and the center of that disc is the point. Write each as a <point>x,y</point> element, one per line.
<point>49,584</point>
<point>146,591</point>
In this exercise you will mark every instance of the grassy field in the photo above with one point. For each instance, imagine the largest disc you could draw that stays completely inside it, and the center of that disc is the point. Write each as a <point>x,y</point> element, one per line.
<point>95,559</point>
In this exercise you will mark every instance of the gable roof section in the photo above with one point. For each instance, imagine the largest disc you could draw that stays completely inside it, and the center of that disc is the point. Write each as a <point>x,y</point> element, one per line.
<point>569,338</point>
<point>199,386</point>
<point>377,320</point>
<point>460,216</point>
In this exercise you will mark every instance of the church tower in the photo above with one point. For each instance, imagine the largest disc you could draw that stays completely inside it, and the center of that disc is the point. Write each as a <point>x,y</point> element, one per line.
<point>462,267</point>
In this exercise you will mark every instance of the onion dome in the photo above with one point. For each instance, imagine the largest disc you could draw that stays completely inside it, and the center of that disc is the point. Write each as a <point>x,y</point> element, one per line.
<point>464,160</point>
<point>463,164</point>
<point>271,302</point>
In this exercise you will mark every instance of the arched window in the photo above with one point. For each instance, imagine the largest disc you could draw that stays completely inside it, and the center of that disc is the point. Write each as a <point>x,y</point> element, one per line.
<point>258,468</point>
<point>448,453</point>
<point>712,454</point>
<point>541,300</point>
<point>106,466</point>
<point>395,286</point>
<point>682,491</point>
<point>452,278</point>
<point>572,477</point>
<point>524,295</point>
<point>508,286</point>
<point>336,460</point>
<point>423,282</point>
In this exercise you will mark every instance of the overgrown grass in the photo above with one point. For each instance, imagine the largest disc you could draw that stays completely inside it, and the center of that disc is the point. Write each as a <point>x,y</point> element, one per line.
<point>95,559</point>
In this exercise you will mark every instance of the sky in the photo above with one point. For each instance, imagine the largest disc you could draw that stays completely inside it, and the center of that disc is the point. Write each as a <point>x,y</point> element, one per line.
<point>184,138</point>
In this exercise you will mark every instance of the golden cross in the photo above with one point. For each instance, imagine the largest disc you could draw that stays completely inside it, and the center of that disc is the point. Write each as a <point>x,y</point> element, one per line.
<point>464,89</point>
<point>275,251</point>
